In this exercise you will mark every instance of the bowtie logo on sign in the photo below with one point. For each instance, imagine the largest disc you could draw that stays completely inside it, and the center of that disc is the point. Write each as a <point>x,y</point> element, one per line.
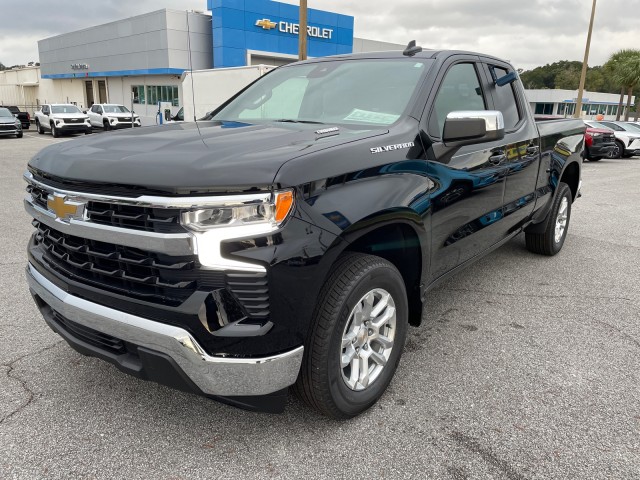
<point>294,28</point>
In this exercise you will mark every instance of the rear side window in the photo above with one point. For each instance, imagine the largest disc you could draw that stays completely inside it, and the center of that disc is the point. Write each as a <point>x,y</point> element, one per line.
<point>505,101</point>
<point>460,90</point>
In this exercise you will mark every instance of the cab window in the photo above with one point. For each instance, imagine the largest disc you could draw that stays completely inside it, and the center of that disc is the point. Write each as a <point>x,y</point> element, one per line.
<point>460,90</point>
<point>505,101</point>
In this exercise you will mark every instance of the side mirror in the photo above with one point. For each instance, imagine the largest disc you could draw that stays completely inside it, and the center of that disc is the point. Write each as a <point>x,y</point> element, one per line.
<point>469,127</point>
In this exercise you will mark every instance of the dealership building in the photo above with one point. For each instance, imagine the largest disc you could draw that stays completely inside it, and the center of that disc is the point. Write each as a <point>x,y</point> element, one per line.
<point>142,60</point>
<point>146,59</point>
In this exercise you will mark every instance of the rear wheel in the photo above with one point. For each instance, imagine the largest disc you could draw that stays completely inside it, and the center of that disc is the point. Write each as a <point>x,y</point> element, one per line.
<point>357,337</point>
<point>618,151</point>
<point>552,239</point>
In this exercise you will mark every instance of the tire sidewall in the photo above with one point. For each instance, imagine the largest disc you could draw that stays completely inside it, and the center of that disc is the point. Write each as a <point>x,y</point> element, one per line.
<point>352,402</point>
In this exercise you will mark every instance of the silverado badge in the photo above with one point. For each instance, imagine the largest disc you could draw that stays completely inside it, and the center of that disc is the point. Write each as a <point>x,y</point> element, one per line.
<point>65,209</point>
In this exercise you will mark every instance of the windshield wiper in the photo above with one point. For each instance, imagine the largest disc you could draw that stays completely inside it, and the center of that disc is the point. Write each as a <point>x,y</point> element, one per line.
<point>290,120</point>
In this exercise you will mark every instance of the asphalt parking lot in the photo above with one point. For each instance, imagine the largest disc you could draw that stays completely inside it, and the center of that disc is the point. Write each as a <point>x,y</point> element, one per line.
<point>525,367</point>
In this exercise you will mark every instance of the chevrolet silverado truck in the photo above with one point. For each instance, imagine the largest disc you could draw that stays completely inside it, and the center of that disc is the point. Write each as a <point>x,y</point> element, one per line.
<point>61,119</point>
<point>293,238</point>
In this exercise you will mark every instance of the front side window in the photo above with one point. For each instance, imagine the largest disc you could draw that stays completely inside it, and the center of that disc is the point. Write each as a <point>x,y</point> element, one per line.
<point>505,100</point>
<point>373,92</point>
<point>460,90</point>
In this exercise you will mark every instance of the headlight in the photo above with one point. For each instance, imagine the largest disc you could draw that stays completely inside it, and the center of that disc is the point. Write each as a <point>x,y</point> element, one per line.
<point>269,209</point>
<point>596,134</point>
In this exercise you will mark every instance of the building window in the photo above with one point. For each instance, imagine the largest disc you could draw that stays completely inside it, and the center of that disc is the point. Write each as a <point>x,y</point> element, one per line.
<point>138,93</point>
<point>566,109</point>
<point>162,93</point>
<point>544,109</point>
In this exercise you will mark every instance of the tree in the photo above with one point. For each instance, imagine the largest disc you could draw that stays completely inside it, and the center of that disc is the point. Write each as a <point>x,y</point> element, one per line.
<point>624,68</point>
<point>2,67</point>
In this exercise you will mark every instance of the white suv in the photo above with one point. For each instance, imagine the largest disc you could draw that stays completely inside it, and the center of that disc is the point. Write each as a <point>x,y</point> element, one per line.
<point>62,118</point>
<point>111,115</point>
<point>627,138</point>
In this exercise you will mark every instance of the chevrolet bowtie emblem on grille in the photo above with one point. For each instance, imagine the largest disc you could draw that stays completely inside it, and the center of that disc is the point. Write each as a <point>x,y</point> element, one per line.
<point>65,209</point>
<point>266,24</point>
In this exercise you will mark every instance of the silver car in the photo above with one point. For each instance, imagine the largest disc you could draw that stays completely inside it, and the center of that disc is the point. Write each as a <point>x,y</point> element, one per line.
<point>9,124</point>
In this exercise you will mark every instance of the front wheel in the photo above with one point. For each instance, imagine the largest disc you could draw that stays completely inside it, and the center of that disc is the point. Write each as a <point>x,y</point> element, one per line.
<point>54,131</point>
<point>552,239</point>
<point>358,333</point>
<point>39,127</point>
<point>19,135</point>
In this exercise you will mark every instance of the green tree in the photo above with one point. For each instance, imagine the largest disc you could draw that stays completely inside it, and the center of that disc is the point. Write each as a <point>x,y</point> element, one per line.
<point>2,67</point>
<point>624,68</point>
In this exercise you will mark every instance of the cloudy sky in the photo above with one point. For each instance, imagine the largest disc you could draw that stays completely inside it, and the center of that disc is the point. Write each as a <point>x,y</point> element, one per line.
<point>527,32</point>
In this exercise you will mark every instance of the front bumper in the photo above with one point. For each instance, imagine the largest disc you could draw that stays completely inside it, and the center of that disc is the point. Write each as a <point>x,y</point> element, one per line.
<point>73,127</point>
<point>212,375</point>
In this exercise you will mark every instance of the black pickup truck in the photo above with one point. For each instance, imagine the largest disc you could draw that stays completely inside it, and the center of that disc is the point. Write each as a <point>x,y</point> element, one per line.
<point>292,239</point>
<point>24,117</point>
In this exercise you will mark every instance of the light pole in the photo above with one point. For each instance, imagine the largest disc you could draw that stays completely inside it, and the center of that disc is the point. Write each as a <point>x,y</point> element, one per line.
<point>302,31</point>
<point>583,77</point>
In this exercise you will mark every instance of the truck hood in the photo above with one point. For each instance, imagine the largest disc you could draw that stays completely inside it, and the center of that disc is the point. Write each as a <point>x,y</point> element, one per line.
<point>5,120</point>
<point>184,157</point>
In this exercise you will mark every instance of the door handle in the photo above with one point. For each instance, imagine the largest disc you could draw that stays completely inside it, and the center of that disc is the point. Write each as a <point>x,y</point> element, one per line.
<point>532,149</point>
<point>497,158</point>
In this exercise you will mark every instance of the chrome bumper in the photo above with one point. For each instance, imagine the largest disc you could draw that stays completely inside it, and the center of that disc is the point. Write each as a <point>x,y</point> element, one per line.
<point>220,376</point>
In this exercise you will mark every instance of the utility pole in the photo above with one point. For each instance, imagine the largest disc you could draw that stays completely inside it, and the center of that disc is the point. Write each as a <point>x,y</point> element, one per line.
<point>585,63</point>
<point>302,31</point>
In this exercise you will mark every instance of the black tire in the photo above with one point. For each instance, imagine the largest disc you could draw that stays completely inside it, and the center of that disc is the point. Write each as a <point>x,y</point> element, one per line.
<point>54,131</point>
<point>88,131</point>
<point>545,243</point>
<point>620,151</point>
<point>106,126</point>
<point>320,383</point>
<point>39,127</point>
<point>19,135</point>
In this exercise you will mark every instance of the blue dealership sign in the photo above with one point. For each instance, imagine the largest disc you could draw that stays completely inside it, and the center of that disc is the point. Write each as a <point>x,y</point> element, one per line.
<point>272,27</point>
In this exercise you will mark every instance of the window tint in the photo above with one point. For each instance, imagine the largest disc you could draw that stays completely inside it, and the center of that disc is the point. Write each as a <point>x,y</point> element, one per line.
<point>460,90</point>
<point>615,127</point>
<point>505,101</point>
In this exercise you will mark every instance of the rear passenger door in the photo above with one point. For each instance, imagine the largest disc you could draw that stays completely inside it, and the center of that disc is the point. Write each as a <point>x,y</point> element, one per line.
<point>468,197</point>
<point>522,147</point>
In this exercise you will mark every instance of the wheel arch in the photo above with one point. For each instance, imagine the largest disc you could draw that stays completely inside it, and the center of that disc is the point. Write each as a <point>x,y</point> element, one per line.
<point>399,237</point>
<point>571,176</point>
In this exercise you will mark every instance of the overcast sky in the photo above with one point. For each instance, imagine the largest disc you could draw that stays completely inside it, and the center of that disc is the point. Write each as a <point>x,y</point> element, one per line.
<point>527,32</point>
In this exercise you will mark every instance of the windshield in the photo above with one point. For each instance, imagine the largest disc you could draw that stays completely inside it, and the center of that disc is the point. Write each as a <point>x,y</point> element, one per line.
<point>115,109</point>
<point>359,92</point>
<point>4,112</point>
<point>64,109</point>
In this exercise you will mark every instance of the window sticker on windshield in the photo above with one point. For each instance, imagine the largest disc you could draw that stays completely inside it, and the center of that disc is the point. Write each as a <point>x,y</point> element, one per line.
<point>358,115</point>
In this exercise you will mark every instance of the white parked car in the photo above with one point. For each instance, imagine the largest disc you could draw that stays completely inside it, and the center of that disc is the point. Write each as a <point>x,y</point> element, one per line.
<point>110,116</point>
<point>627,138</point>
<point>62,118</point>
